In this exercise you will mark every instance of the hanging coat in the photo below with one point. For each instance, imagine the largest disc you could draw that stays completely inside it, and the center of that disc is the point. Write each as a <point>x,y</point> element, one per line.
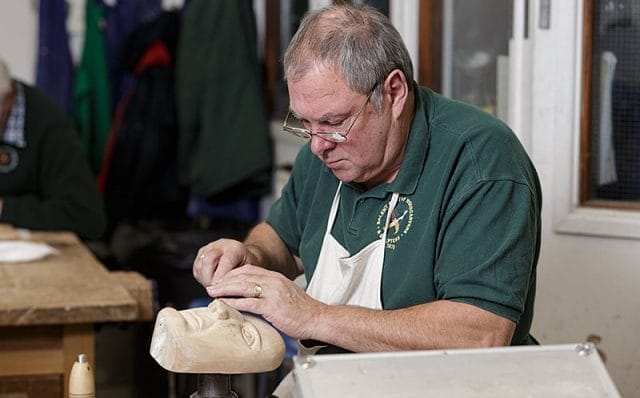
<point>140,170</point>
<point>224,142</point>
<point>91,107</point>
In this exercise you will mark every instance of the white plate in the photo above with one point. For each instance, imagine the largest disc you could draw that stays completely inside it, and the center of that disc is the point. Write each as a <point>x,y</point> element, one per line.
<point>18,251</point>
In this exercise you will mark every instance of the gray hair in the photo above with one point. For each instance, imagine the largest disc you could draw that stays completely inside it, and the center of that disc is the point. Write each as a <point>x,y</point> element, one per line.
<point>359,40</point>
<point>5,79</point>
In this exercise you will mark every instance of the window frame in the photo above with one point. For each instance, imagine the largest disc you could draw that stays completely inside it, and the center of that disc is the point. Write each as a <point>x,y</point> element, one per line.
<point>571,212</point>
<point>586,120</point>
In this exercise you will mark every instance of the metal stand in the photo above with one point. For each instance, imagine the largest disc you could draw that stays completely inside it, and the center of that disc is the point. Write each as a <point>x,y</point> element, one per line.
<point>214,386</point>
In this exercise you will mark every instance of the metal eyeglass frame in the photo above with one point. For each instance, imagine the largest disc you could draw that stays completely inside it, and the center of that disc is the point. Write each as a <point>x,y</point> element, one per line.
<point>332,136</point>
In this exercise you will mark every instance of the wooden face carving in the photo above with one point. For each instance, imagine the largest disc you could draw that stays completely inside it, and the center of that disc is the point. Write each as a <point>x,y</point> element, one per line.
<point>215,339</point>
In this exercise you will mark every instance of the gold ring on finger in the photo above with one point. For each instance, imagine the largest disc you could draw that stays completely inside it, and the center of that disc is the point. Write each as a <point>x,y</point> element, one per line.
<point>257,291</point>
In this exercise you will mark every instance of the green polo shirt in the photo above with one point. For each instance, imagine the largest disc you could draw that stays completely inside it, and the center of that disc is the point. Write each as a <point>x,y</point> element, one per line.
<point>467,224</point>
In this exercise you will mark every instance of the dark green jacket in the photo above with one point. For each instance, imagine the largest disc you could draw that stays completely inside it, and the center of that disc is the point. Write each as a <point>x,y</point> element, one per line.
<point>224,136</point>
<point>51,187</point>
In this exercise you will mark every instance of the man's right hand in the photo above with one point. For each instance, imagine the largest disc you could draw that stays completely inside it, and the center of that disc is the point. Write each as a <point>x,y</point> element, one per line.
<point>217,258</point>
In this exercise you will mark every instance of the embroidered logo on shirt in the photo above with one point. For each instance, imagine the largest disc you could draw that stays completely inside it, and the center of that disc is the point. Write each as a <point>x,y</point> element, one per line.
<point>400,222</point>
<point>8,159</point>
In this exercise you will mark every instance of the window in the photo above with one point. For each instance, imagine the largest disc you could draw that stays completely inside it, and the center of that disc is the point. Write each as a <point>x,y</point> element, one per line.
<point>610,135</point>
<point>463,50</point>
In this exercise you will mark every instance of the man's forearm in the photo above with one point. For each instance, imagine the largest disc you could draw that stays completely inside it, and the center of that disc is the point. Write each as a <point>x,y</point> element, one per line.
<point>438,325</point>
<point>270,252</point>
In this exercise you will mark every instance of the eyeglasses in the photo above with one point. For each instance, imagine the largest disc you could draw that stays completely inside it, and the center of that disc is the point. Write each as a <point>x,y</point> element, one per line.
<point>296,127</point>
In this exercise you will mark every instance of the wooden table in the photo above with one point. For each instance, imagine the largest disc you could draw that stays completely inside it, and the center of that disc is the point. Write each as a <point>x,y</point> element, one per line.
<point>48,309</point>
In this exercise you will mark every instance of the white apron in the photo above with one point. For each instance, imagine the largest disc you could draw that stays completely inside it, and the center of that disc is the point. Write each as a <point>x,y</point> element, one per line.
<point>340,279</point>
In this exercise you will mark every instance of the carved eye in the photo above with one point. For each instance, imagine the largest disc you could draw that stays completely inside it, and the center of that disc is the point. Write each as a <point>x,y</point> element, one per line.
<point>250,336</point>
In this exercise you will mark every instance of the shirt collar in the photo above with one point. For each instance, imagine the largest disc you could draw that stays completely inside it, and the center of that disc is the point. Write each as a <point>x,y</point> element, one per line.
<point>14,128</point>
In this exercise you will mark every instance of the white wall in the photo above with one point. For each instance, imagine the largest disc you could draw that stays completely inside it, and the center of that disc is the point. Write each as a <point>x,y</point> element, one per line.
<point>19,38</point>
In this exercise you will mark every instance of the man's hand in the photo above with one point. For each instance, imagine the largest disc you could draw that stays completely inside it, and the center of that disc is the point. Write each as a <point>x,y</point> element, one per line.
<point>279,300</point>
<point>217,258</point>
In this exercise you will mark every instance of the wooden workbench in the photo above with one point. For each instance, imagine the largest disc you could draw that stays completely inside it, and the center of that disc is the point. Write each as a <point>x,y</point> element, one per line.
<point>48,309</point>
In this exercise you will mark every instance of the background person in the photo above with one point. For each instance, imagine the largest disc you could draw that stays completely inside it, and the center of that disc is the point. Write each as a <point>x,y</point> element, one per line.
<point>415,218</point>
<point>45,180</point>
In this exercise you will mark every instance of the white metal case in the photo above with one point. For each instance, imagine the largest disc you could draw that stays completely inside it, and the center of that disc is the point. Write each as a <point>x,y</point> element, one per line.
<point>571,370</point>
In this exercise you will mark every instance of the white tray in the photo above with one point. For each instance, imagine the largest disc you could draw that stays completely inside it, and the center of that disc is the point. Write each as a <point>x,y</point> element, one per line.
<point>572,370</point>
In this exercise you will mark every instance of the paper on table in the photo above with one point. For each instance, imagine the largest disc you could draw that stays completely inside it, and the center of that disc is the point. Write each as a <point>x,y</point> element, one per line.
<point>17,251</point>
